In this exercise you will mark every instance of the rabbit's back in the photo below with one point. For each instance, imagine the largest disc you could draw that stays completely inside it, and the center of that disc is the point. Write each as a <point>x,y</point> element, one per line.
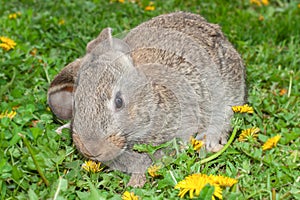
<point>198,64</point>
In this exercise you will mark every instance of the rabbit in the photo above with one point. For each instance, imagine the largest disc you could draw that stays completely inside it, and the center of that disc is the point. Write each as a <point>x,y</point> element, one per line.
<point>173,76</point>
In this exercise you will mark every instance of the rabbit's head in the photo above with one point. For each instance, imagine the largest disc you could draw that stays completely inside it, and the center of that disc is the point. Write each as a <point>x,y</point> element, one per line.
<point>111,104</point>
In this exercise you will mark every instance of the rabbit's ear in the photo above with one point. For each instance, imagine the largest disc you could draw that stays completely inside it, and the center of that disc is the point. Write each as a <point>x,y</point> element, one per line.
<point>104,35</point>
<point>108,42</point>
<point>120,45</point>
<point>60,93</point>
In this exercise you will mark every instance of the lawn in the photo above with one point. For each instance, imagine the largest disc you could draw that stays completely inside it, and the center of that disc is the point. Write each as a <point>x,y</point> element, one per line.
<point>37,163</point>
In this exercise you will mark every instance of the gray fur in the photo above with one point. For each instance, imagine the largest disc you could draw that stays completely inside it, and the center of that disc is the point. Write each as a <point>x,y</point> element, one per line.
<point>177,75</point>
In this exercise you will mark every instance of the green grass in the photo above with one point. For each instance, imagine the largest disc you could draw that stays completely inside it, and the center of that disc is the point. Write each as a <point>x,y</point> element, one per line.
<point>270,49</point>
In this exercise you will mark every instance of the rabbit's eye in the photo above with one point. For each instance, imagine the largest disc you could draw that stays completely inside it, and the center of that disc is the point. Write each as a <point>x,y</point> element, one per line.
<point>118,101</point>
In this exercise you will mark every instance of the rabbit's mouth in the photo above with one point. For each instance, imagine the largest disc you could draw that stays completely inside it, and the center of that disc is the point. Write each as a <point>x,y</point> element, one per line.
<point>103,149</point>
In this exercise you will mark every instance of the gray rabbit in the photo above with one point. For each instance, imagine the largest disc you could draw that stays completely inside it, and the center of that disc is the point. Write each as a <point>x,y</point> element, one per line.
<point>170,77</point>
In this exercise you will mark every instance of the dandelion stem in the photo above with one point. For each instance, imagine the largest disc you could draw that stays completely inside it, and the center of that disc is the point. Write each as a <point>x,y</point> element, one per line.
<point>273,194</point>
<point>176,147</point>
<point>47,74</point>
<point>290,83</point>
<point>254,158</point>
<point>19,184</point>
<point>174,179</point>
<point>286,195</point>
<point>222,150</point>
<point>58,189</point>
<point>34,160</point>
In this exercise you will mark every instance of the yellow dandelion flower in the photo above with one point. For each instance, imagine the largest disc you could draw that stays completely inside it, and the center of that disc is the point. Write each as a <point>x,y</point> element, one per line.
<point>7,40</point>
<point>250,132</point>
<point>271,142</point>
<point>256,2</point>
<point>259,2</point>
<point>7,43</point>
<point>299,5</point>
<point>7,114</point>
<point>61,22</point>
<point>14,15</point>
<point>152,170</point>
<point>195,183</point>
<point>129,196</point>
<point>223,181</point>
<point>4,46</point>
<point>283,91</point>
<point>91,166</point>
<point>242,109</point>
<point>121,1</point>
<point>265,2</point>
<point>197,144</point>
<point>150,7</point>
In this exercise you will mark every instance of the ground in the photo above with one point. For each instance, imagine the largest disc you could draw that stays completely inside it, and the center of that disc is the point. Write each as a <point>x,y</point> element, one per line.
<point>37,163</point>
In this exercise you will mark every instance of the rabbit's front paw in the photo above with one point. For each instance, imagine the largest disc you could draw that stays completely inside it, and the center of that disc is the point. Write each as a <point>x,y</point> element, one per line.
<point>137,180</point>
<point>213,142</point>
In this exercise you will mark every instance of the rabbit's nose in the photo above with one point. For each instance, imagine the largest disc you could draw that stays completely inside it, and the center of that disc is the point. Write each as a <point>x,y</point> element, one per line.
<point>117,140</point>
